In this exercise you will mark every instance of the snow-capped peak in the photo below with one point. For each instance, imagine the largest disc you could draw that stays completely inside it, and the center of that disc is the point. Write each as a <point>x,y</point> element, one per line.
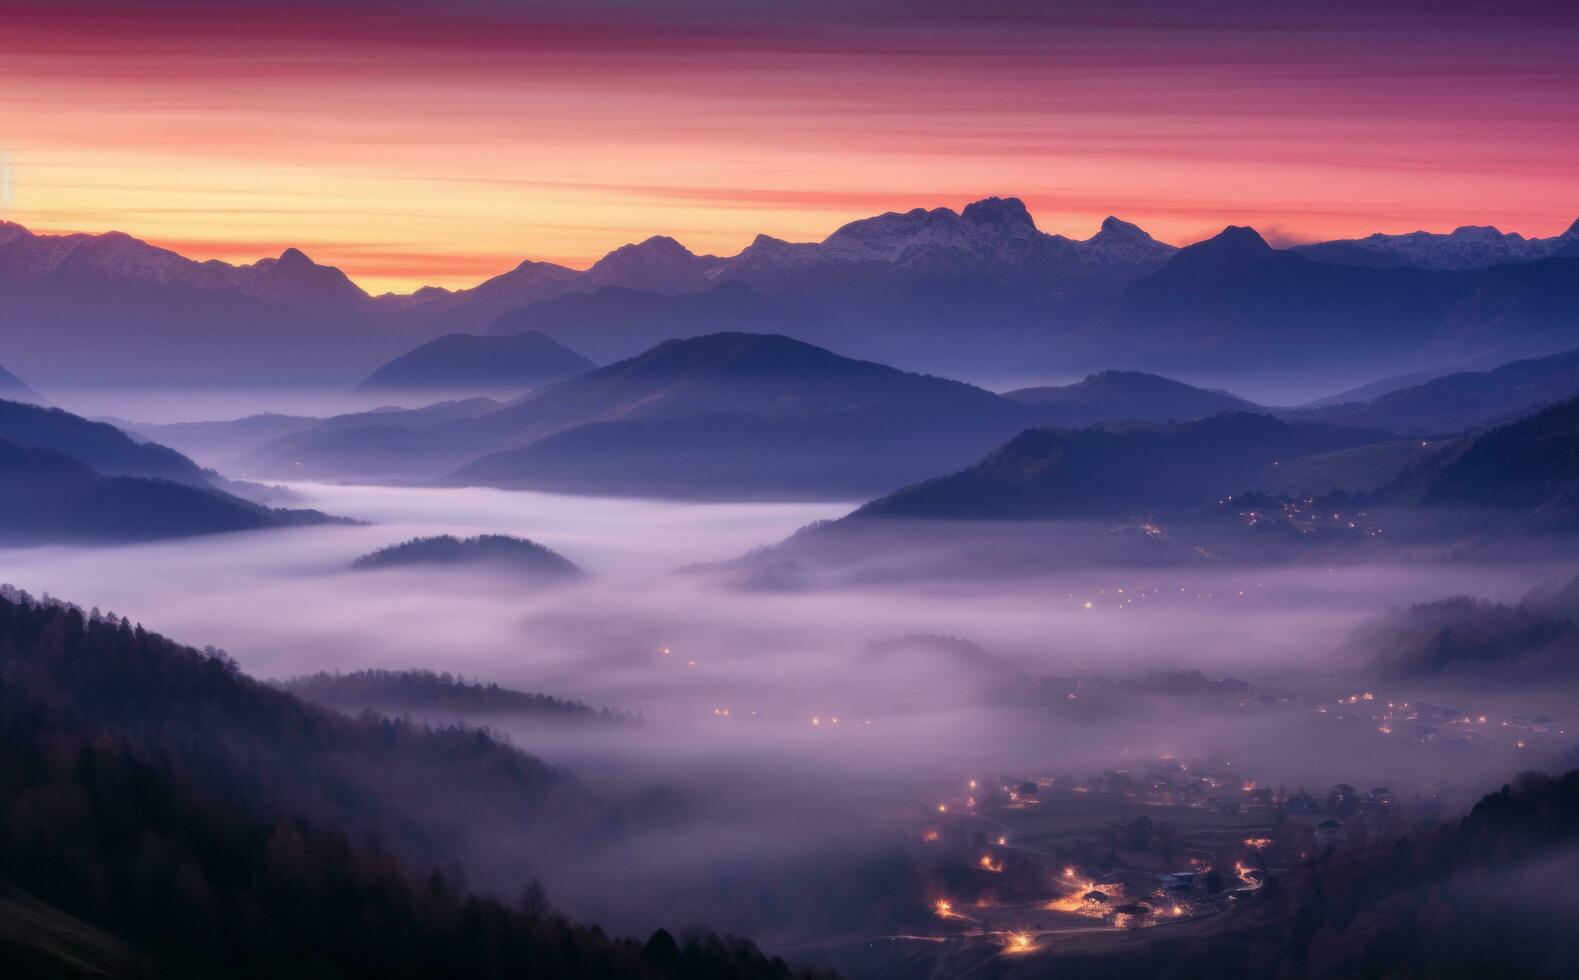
<point>999,214</point>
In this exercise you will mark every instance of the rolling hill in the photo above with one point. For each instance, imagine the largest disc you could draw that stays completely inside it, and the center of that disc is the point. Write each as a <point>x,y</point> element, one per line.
<point>220,441</point>
<point>515,554</point>
<point>49,496</point>
<point>1112,396</point>
<point>99,445</point>
<point>1463,400</point>
<point>467,364</point>
<point>63,477</point>
<point>1116,470</point>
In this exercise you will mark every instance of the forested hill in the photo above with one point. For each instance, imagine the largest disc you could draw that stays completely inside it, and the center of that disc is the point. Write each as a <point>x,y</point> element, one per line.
<point>153,793</point>
<point>419,691</point>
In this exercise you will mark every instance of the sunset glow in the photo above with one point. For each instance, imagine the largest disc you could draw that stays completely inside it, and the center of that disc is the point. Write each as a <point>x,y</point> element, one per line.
<point>413,145</point>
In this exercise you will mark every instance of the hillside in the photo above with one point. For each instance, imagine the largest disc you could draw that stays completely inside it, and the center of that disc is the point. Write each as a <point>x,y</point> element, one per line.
<point>13,388</point>
<point>394,443</point>
<point>849,453</point>
<point>1463,400</point>
<point>762,374</point>
<point>1114,470</point>
<point>1489,642</point>
<point>464,363</point>
<point>1529,466</point>
<point>1113,396</point>
<point>216,826</point>
<point>97,444</point>
<point>219,441</point>
<point>49,496</point>
<point>425,692</point>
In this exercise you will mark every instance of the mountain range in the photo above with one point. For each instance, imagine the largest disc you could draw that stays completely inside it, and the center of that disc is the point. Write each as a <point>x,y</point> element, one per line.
<point>1468,247</point>
<point>1233,305</point>
<point>980,292</point>
<point>726,415</point>
<point>736,415</point>
<point>721,415</point>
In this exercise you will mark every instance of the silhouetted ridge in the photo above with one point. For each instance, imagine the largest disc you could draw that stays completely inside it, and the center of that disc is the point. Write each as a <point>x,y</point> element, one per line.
<point>466,362</point>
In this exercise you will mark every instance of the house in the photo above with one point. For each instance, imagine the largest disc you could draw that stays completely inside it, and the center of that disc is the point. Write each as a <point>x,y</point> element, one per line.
<point>1131,916</point>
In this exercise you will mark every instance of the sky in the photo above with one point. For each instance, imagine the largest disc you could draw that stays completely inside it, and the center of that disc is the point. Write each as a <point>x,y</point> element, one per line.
<point>425,143</point>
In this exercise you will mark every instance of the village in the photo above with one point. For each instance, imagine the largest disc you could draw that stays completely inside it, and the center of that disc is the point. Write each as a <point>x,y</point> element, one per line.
<point>1028,862</point>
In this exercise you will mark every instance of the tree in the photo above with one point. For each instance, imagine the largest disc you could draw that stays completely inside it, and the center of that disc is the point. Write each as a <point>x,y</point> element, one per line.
<point>661,952</point>
<point>1140,833</point>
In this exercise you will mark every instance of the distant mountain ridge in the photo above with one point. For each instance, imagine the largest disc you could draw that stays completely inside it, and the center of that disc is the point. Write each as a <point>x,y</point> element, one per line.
<point>291,279</point>
<point>1467,247</point>
<point>980,291</point>
<point>110,309</point>
<point>1232,304</point>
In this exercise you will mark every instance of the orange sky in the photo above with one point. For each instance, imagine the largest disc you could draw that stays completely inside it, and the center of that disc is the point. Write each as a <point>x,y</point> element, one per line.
<point>416,143</point>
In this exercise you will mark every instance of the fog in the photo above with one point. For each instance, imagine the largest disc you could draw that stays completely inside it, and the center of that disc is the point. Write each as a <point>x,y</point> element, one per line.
<point>799,726</point>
